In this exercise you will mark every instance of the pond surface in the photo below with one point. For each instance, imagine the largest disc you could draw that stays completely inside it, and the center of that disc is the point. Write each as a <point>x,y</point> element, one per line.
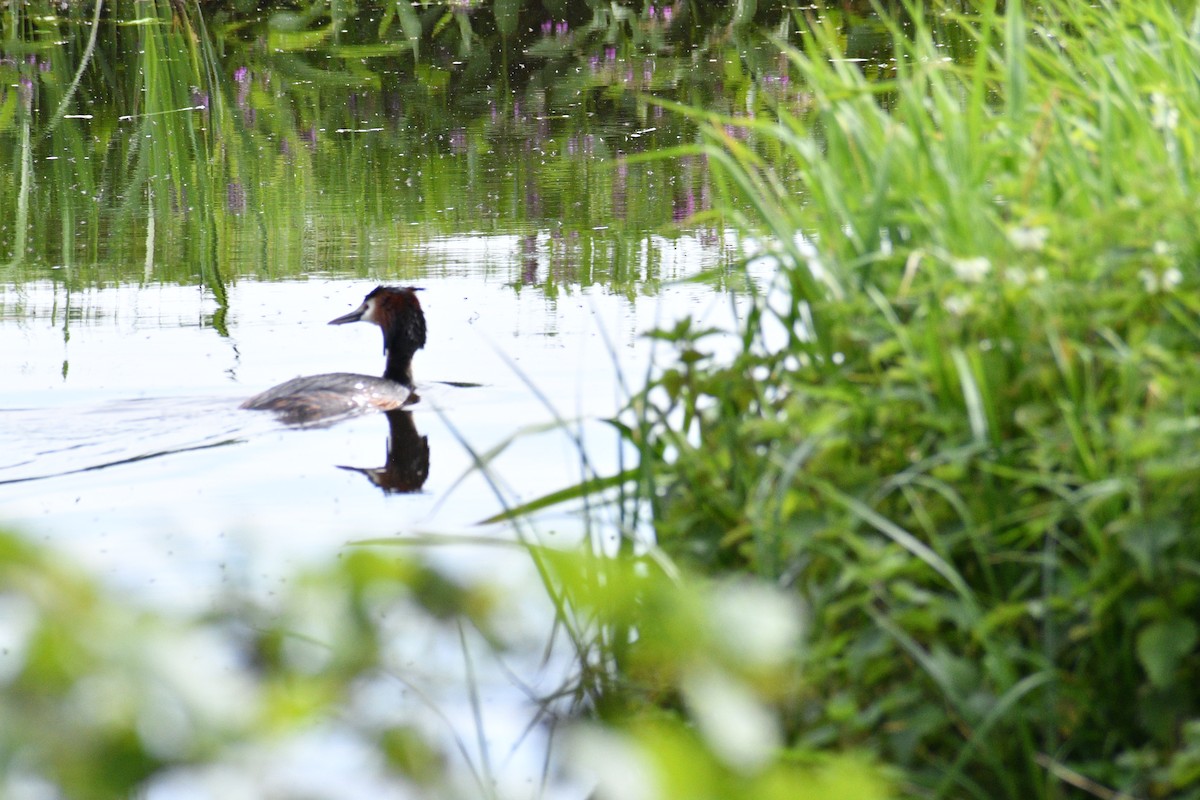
<point>171,249</point>
<point>123,445</point>
<point>176,240</point>
<point>123,442</point>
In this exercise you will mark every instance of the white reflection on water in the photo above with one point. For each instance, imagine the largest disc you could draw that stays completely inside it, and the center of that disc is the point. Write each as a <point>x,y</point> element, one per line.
<point>120,439</point>
<point>121,444</point>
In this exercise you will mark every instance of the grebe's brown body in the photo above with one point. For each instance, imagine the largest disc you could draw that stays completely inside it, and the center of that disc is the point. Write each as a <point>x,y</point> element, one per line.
<point>318,398</point>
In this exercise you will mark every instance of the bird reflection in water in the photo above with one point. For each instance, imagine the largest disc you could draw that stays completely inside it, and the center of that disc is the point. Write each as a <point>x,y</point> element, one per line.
<point>407,464</point>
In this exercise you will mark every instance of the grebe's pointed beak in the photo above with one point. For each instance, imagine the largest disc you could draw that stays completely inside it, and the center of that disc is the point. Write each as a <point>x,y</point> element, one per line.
<point>353,316</point>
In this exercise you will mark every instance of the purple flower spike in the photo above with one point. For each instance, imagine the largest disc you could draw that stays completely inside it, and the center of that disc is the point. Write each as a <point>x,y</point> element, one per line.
<point>235,197</point>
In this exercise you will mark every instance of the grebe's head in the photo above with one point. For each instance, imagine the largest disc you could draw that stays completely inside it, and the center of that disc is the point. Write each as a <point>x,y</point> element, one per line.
<point>397,311</point>
<point>398,314</point>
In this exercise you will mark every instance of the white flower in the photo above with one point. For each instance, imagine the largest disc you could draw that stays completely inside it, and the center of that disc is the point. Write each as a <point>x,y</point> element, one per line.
<point>741,731</point>
<point>614,765</point>
<point>958,305</point>
<point>1163,115</point>
<point>758,625</point>
<point>1154,283</point>
<point>1024,237</point>
<point>971,270</point>
<point>1149,279</point>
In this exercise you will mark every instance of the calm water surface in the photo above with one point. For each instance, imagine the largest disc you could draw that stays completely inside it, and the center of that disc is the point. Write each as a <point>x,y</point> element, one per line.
<point>123,442</point>
<point>138,464</point>
<point>123,447</point>
<point>161,263</point>
<point>171,249</point>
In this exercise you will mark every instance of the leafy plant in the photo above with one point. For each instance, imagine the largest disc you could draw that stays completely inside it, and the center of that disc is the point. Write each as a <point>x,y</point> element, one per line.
<point>962,423</point>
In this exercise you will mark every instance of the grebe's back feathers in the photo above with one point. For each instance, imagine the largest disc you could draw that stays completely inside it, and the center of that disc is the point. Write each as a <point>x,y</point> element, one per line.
<point>318,398</point>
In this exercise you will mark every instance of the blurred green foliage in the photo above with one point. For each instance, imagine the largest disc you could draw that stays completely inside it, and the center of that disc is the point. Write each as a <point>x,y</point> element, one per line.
<point>102,698</point>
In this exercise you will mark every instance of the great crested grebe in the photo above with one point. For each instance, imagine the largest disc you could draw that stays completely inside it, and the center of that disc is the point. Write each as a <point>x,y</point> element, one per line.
<point>314,398</point>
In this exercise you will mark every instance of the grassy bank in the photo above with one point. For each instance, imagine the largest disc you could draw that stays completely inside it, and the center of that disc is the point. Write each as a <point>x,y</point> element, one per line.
<point>963,423</point>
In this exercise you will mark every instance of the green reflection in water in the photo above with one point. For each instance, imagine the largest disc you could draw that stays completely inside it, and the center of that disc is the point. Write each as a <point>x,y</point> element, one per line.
<point>189,152</point>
